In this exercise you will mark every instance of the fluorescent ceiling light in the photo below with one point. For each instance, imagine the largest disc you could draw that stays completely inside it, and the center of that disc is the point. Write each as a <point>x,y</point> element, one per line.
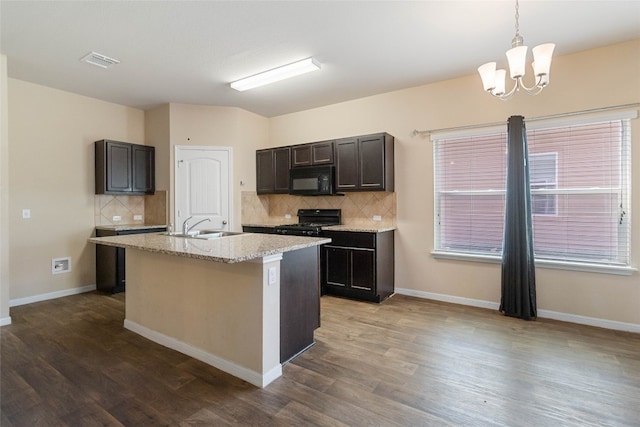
<point>277,74</point>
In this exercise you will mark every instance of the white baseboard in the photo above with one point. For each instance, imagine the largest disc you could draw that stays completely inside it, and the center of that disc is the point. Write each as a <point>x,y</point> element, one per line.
<point>591,321</point>
<point>241,372</point>
<point>5,321</point>
<point>547,314</point>
<point>51,295</point>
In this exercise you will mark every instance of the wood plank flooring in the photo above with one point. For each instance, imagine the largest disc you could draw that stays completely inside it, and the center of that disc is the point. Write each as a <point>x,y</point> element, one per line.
<point>406,362</point>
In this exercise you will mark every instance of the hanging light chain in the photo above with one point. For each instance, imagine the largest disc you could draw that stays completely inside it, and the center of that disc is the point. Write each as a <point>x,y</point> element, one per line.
<point>517,39</point>
<point>517,18</point>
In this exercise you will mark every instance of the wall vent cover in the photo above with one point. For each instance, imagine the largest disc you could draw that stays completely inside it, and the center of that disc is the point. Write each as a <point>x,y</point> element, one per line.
<point>99,60</point>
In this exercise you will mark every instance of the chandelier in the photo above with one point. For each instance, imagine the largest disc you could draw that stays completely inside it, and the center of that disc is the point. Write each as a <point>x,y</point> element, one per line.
<point>493,80</point>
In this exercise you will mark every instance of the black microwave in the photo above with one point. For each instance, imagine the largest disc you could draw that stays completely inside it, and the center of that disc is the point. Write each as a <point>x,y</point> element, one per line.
<point>311,180</point>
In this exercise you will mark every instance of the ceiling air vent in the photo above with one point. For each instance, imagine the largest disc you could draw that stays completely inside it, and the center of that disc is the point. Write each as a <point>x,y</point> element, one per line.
<point>99,60</point>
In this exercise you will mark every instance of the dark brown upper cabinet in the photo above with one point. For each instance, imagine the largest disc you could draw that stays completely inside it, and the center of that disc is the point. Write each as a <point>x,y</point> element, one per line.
<point>272,170</point>
<point>124,168</point>
<point>316,153</point>
<point>143,165</point>
<point>365,163</point>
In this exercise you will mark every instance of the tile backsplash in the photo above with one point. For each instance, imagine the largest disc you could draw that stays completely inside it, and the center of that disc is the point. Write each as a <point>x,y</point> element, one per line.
<point>357,207</point>
<point>150,208</point>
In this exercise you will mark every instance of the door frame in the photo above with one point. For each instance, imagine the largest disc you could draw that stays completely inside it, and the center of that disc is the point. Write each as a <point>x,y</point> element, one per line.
<point>176,150</point>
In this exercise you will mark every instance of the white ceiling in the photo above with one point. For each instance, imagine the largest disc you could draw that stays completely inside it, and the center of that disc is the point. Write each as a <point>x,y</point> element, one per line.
<point>188,52</point>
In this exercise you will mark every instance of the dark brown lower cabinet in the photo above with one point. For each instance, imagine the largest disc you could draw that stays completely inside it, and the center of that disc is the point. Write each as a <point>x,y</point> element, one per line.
<point>358,265</point>
<point>299,297</point>
<point>299,301</point>
<point>110,263</point>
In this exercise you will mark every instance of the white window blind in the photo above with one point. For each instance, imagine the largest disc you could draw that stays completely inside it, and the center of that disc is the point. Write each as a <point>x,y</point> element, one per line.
<point>580,185</point>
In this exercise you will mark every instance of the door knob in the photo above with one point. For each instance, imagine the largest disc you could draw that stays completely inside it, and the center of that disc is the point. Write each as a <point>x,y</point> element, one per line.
<point>224,222</point>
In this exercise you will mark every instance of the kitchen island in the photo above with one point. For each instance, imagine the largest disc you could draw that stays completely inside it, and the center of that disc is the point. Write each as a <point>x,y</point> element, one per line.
<point>244,303</point>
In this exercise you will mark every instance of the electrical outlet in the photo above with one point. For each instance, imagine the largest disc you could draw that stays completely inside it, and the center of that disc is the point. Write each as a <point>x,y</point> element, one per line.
<point>116,218</point>
<point>137,217</point>
<point>272,275</point>
<point>287,216</point>
<point>26,213</point>
<point>60,265</point>
<point>377,218</point>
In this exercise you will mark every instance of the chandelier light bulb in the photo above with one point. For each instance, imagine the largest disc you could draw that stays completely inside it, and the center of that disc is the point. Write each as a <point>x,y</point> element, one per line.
<point>517,57</point>
<point>488,75</point>
<point>542,55</point>
<point>501,76</point>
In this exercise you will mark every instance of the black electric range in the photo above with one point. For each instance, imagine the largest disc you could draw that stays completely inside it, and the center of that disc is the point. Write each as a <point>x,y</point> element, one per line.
<point>310,222</point>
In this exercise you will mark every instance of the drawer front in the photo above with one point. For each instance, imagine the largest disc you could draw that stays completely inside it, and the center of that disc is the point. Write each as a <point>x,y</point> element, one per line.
<point>256,229</point>
<point>141,231</point>
<point>107,233</point>
<point>351,239</point>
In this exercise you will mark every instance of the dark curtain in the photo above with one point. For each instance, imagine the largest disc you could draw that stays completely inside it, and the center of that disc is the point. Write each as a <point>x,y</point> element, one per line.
<point>518,267</point>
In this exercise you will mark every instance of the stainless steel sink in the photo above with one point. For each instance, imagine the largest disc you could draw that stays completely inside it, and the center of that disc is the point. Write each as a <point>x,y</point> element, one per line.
<point>203,234</point>
<point>212,234</point>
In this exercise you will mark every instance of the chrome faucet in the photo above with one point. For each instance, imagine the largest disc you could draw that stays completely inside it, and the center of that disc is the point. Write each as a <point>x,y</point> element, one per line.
<point>186,227</point>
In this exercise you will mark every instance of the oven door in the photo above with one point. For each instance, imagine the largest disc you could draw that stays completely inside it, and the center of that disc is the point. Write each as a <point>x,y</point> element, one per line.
<point>311,180</point>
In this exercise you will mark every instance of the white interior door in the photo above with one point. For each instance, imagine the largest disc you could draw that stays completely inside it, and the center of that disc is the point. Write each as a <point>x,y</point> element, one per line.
<point>202,179</point>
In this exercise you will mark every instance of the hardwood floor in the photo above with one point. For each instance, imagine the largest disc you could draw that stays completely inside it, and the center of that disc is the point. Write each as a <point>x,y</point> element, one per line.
<point>406,362</point>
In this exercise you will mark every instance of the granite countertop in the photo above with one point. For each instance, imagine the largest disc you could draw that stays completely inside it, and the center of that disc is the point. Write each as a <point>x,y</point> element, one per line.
<point>229,249</point>
<point>121,227</point>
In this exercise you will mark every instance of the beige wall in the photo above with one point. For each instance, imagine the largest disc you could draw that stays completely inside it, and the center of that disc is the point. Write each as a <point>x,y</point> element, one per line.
<point>51,136</point>
<point>157,133</point>
<point>51,132</point>
<point>200,125</point>
<point>4,195</point>
<point>588,80</point>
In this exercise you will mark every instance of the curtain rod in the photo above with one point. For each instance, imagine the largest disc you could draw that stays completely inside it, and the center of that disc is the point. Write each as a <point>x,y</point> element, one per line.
<point>533,119</point>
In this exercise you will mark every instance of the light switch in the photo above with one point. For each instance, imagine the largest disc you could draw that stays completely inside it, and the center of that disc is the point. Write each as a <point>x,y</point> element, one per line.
<point>26,213</point>
<point>272,275</point>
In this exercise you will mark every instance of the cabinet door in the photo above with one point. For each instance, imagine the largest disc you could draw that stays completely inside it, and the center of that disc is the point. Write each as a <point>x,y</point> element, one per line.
<point>337,266</point>
<point>118,167</point>
<point>301,155</point>
<point>317,153</point>
<point>281,158</point>
<point>264,172</point>
<point>371,163</point>
<point>346,164</point>
<point>143,162</point>
<point>363,265</point>
<point>322,153</point>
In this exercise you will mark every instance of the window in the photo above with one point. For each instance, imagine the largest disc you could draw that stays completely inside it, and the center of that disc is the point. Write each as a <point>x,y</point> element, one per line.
<point>579,169</point>
<point>543,175</point>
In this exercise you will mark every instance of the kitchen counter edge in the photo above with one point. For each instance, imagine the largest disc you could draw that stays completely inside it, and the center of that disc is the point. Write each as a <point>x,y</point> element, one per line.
<point>124,227</point>
<point>230,250</point>
<point>357,228</point>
